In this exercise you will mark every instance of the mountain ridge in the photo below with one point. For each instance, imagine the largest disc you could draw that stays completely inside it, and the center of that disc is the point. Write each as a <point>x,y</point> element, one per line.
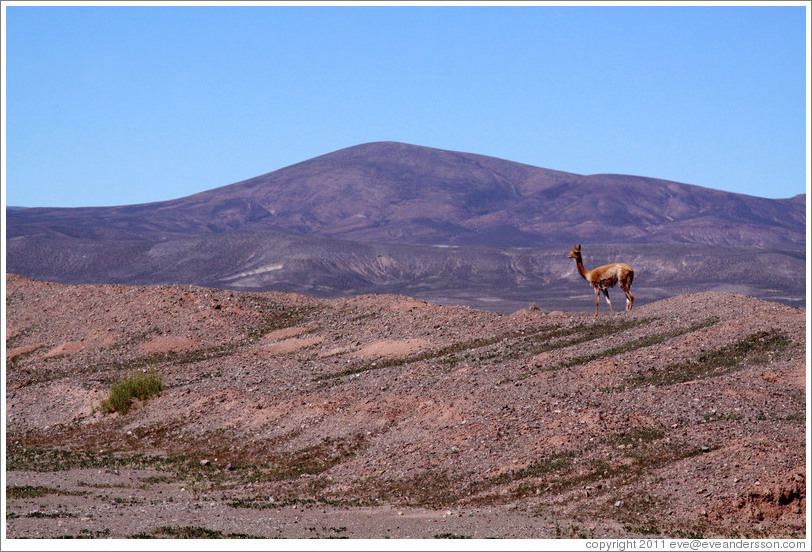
<point>393,192</point>
<point>448,223</point>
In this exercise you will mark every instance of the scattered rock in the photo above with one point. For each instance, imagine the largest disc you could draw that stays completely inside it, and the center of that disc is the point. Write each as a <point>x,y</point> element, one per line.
<point>464,410</point>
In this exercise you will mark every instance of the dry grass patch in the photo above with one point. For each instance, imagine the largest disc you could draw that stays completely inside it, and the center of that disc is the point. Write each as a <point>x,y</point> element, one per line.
<point>135,385</point>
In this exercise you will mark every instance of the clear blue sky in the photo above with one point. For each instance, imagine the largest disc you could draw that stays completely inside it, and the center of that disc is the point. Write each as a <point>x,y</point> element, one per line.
<point>113,105</point>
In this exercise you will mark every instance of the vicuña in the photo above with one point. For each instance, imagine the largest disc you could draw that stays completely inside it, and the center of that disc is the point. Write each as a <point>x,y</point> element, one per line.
<point>604,277</point>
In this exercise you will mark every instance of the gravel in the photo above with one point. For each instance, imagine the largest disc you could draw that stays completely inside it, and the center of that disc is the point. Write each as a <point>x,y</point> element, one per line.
<point>385,416</point>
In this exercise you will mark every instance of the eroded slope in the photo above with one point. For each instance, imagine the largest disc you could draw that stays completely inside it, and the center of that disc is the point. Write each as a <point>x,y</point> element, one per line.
<point>684,417</point>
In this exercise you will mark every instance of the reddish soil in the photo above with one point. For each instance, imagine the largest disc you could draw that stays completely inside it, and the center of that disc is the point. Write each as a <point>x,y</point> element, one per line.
<point>384,416</point>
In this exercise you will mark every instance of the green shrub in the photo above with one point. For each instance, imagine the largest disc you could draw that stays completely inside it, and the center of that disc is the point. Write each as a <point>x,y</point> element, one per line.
<point>138,385</point>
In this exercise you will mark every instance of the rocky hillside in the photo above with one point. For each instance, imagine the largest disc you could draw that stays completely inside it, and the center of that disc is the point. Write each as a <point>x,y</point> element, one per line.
<point>385,416</point>
<point>503,280</point>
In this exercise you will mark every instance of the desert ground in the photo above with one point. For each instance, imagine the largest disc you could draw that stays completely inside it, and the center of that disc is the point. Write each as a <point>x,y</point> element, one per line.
<point>375,417</point>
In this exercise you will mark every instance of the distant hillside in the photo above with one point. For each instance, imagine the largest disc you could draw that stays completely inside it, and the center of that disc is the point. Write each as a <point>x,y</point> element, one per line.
<point>369,218</point>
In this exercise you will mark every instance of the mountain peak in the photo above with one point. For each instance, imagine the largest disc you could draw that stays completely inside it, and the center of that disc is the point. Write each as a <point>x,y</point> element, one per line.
<point>370,217</point>
<point>391,191</point>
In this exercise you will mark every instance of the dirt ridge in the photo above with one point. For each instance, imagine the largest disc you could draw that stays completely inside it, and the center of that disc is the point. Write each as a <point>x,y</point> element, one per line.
<point>386,416</point>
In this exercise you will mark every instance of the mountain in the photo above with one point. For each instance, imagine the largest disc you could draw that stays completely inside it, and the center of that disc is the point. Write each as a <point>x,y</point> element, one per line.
<point>392,217</point>
<point>392,192</point>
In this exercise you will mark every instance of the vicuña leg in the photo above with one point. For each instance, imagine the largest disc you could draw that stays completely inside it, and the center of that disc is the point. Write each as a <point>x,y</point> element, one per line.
<point>625,285</point>
<point>608,302</point>
<point>629,297</point>
<point>597,297</point>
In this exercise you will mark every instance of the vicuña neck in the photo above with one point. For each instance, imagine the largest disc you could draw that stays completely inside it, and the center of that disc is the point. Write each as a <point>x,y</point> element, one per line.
<point>581,270</point>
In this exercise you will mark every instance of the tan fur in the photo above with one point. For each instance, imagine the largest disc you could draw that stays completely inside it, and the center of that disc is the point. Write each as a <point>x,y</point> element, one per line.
<point>604,277</point>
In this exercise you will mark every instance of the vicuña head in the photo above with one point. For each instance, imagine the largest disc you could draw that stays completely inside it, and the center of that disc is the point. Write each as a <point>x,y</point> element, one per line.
<point>604,277</point>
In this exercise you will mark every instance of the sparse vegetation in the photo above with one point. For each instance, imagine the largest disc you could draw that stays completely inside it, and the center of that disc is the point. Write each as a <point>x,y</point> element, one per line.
<point>646,341</point>
<point>638,435</point>
<point>40,514</point>
<point>798,418</point>
<point>432,488</point>
<point>29,491</point>
<point>192,532</point>
<point>558,462</point>
<point>448,352</point>
<point>135,385</point>
<point>264,503</point>
<point>557,337</point>
<point>529,342</point>
<point>21,457</point>
<point>756,348</point>
<point>315,459</point>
